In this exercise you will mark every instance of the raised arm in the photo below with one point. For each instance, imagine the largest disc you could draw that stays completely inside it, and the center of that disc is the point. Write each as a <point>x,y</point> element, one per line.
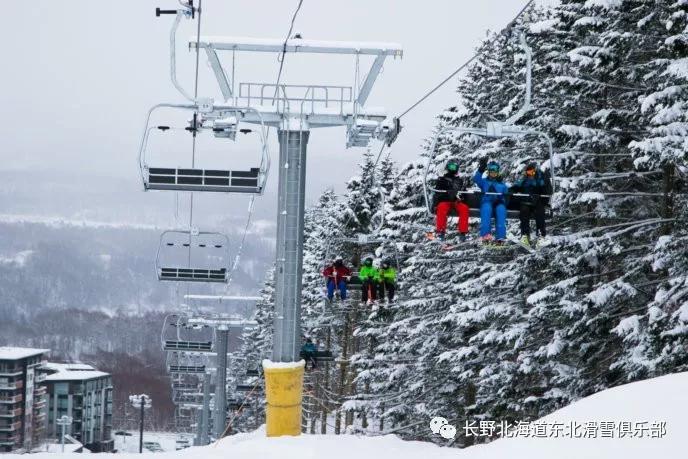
<point>479,180</point>
<point>478,176</point>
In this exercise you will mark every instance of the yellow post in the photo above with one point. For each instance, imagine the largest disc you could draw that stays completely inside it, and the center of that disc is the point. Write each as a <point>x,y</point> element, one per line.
<point>283,393</point>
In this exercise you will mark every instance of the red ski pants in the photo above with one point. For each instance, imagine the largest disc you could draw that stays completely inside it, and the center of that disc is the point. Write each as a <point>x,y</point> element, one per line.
<point>443,208</point>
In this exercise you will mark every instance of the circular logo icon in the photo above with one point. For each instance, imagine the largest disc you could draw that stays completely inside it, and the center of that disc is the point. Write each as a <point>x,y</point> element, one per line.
<point>447,431</point>
<point>436,424</point>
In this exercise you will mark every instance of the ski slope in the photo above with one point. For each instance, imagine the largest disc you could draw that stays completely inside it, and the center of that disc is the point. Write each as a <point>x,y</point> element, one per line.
<point>662,399</point>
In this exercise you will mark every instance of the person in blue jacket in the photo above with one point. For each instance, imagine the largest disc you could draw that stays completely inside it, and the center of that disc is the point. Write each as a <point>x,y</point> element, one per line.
<point>493,201</point>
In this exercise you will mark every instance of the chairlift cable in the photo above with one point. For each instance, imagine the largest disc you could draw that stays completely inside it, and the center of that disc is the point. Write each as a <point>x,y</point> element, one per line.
<point>464,65</point>
<point>280,57</point>
<point>237,258</point>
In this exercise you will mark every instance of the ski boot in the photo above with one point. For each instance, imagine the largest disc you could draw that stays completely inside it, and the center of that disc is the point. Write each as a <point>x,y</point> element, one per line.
<point>543,241</point>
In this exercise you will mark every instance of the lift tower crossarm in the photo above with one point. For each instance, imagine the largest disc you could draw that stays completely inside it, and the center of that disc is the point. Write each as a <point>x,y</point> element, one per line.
<point>297,45</point>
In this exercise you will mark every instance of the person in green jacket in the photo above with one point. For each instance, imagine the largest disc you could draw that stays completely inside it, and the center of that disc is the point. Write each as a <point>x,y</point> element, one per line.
<point>370,279</point>
<point>388,280</point>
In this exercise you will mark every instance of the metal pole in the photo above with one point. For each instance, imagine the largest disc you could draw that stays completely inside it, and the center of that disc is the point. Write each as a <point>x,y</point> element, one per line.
<point>63,434</point>
<point>205,413</point>
<point>143,407</point>
<point>289,261</point>
<point>222,337</point>
<point>199,427</point>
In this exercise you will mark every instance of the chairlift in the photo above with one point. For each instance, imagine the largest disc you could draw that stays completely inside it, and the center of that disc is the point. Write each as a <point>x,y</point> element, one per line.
<point>192,256</point>
<point>253,372</point>
<point>321,356</point>
<point>186,369</point>
<point>188,346</point>
<point>224,125</point>
<point>360,242</point>
<point>495,130</point>
<point>360,248</point>
<point>248,388</point>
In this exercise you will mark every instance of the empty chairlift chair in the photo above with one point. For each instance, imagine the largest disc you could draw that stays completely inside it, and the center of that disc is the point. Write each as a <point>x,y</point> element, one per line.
<point>188,346</point>
<point>220,180</point>
<point>204,180</point>
<point>187,369</point>
<point>189,256</point>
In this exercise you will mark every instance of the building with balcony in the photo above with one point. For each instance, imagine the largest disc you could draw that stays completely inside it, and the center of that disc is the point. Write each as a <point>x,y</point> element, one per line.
<point>22,398</point>
<point>84,394</point>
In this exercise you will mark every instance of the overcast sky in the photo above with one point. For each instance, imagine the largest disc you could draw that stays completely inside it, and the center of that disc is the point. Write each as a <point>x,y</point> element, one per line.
<point>79,75</point>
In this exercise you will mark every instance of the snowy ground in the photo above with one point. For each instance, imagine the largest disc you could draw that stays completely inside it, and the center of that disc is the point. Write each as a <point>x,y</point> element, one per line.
<point>662,399</point>
<point>634,407</point>
<point>166,440</point>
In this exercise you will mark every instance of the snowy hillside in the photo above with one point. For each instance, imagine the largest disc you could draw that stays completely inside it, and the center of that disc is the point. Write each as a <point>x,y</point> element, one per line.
<point>659,400</point>
<point>655,400</point>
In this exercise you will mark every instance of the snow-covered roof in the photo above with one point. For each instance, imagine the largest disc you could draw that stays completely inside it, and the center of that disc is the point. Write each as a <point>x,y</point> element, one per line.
<point>72,372</point>
<point>17,353</point>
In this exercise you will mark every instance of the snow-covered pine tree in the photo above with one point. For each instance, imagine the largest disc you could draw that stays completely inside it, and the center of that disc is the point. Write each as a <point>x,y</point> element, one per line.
<point>657,337</point>
<point>256,345</point>
<point>478,335</point>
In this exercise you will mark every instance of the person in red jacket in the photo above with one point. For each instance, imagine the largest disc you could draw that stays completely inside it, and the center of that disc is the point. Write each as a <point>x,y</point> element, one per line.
<point>337,275</point>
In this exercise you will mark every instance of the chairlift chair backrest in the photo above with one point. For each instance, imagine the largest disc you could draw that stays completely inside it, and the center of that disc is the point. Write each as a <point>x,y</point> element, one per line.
<point>190,256</point>
<point>223,124</point>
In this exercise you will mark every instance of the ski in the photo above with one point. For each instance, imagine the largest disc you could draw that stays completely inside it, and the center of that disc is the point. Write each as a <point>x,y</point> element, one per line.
<point>520,244</point>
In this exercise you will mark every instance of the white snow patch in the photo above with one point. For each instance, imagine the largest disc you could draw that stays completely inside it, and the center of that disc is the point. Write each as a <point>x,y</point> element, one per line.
<point>19,259</point>
<point>679,68</point>
<point>606,4</point>
<point>543,26</point>
<point>628,326</point>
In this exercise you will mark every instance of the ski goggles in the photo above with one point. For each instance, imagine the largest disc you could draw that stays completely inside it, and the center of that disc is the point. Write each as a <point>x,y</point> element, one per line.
<point>452,167</point>
<point>493,168</point>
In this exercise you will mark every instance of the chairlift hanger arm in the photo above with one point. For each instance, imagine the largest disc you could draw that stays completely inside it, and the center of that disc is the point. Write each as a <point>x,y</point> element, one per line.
<point>220,74</point>
<point>370,79</point>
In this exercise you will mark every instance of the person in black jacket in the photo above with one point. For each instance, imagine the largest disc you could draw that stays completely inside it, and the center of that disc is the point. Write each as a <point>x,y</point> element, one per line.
<point>536,184</point>
<point>447,197</point>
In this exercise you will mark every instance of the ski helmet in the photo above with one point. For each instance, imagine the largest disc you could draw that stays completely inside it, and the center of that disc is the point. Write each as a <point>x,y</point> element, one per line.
<point>493,166</point>
<point>452,166</point>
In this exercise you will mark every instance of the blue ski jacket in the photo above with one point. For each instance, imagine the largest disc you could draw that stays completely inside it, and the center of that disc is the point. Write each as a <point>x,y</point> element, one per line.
<point>488,185</point>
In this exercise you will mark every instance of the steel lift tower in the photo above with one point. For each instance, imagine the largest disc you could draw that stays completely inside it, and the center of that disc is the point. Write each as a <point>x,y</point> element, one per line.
<point>294,110</point>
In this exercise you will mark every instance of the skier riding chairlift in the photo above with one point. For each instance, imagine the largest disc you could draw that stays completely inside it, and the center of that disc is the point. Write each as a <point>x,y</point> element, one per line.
<point>492,203</point>
<point>448,197</point>
<point>536,184</point>
<point>337,275</point>
<point>388,278</point>
<point>370,280</point>
<point>308,353</point>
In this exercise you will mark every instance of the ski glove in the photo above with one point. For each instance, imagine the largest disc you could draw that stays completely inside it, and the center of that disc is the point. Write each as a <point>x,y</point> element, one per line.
<point>482,165</point>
